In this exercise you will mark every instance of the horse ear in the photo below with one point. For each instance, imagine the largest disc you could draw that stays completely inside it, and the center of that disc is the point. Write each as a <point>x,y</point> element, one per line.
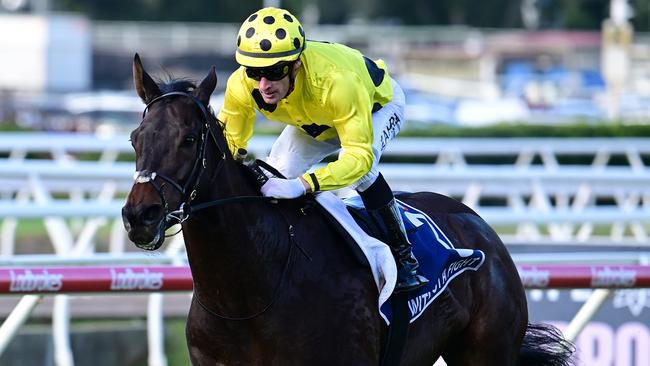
<point>205,89</point>
<point>146,88</point>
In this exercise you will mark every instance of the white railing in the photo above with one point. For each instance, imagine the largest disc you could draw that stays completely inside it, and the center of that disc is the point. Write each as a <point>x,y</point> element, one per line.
<point>534,198</point>
<point>603,278</point>
<point>61,307</point>
<point>445,151</point>
<point>538,197</point>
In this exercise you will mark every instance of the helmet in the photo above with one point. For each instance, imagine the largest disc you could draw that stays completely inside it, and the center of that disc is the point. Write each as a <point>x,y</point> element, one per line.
<point>269,36</point>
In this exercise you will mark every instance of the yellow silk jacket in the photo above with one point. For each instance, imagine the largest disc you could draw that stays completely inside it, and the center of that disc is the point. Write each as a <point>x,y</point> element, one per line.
<point>336,91</point>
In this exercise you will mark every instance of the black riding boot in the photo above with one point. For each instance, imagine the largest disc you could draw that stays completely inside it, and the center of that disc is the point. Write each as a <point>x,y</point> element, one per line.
<point>407,265</point>
<point>381,205</point>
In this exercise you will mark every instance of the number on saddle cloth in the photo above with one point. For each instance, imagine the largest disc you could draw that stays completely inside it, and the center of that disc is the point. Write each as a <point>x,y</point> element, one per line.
<point>439,260</point>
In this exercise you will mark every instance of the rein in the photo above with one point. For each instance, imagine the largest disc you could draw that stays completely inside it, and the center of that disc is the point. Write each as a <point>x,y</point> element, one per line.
<point>276,291</point>
<point>184,210</point>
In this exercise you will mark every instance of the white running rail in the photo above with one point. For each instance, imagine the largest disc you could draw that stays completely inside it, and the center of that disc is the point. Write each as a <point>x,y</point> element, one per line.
<point>524,187</point>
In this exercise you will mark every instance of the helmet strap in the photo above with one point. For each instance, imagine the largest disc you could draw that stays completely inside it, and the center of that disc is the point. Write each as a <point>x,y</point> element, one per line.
<point>292,78</point>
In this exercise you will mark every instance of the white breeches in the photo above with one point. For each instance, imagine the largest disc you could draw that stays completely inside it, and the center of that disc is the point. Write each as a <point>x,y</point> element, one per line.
<point>295,152</point>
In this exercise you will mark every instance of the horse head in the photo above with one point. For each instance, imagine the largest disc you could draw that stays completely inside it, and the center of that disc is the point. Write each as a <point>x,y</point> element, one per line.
<point>170,149</point>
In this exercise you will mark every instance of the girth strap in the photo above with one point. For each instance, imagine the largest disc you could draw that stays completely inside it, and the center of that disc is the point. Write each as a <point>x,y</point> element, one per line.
<point>397,331</point>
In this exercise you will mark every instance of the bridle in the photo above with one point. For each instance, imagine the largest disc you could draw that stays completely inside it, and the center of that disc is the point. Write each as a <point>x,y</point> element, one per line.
<point>189,190</point>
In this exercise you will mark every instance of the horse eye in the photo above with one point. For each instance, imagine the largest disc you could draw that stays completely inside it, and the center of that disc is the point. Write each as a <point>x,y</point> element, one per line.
<point>189,140</point>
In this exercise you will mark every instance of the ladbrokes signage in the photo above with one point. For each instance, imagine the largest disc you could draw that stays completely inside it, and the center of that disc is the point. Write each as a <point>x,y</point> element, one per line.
<point>129,280</point>
<point>97,279</point>
<point>34,281</point>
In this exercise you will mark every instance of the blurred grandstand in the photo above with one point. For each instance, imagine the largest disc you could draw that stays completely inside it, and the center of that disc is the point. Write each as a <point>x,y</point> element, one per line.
<point>452,75</point>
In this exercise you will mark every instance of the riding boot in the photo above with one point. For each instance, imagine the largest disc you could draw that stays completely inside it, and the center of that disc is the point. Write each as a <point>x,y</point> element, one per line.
<point>407,264</point>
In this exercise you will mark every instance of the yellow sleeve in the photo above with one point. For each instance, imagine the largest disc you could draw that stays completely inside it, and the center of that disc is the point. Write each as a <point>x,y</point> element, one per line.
<point>237,112</point>
<point>352,119</point>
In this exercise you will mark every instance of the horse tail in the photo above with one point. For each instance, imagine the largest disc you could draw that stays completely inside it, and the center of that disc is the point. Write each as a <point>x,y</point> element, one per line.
<point>544,345</point>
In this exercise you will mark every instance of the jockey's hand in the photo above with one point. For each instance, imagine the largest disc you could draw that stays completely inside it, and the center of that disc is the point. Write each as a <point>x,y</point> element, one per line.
<point>283,188</point>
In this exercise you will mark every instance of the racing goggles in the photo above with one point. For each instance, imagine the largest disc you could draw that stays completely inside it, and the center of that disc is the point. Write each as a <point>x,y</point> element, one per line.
<point>273,73</point>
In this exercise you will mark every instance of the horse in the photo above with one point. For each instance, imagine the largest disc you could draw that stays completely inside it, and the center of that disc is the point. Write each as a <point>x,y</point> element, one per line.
<point>273,283</point>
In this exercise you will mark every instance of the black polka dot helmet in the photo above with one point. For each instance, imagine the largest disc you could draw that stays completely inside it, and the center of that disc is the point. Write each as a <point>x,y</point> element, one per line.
<point>269,36</point>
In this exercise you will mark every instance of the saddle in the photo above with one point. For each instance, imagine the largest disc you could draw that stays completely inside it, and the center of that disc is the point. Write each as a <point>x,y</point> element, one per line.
<point>439,260</point>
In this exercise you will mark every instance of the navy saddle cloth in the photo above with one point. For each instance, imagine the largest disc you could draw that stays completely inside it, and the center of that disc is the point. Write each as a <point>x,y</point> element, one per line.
<point>439,261</point>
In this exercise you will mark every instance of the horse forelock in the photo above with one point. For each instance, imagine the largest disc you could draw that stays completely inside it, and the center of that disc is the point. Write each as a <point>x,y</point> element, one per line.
<point>176,85</point>
<point>185,86</point>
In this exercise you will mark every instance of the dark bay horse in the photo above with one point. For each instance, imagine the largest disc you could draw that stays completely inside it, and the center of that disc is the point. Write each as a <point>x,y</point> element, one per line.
<point>273,285</point>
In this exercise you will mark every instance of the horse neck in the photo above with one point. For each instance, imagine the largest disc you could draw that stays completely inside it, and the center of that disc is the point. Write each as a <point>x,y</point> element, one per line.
<point>237,251</point>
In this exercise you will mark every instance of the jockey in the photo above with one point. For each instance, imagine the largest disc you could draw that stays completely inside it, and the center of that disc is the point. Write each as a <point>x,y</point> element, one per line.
<point>332,98</point>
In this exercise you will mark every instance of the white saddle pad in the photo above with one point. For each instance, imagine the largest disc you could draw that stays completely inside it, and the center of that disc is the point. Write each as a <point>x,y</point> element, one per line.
<point>382,264</point>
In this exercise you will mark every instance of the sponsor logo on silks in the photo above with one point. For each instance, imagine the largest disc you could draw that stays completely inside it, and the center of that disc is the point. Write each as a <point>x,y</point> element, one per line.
<point>391,130</point>
<point>128,279</point>
<point>37,281</point>
<point>535,278</point>
<point>612,277</point>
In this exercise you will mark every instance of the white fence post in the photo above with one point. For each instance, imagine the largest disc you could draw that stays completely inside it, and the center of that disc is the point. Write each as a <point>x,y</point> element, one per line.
<point>156,331</point>
<point>586,313</point>
<point>16,319</point>
<point>61,331</point>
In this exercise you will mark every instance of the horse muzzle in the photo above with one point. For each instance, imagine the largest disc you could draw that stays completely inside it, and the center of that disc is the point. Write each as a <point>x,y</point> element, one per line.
<point>145,227</point>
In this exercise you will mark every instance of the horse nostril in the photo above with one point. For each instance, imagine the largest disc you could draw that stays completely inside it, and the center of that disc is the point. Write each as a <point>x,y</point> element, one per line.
<point>152,214</point>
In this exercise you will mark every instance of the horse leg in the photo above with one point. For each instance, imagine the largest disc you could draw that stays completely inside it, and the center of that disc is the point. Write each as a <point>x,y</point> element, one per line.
<point>468,351</point>
<point>428,336</point>
<point>488,340</point>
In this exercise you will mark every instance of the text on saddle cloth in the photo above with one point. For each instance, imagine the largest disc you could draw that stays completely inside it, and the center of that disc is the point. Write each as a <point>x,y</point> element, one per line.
<point>439,260</point>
